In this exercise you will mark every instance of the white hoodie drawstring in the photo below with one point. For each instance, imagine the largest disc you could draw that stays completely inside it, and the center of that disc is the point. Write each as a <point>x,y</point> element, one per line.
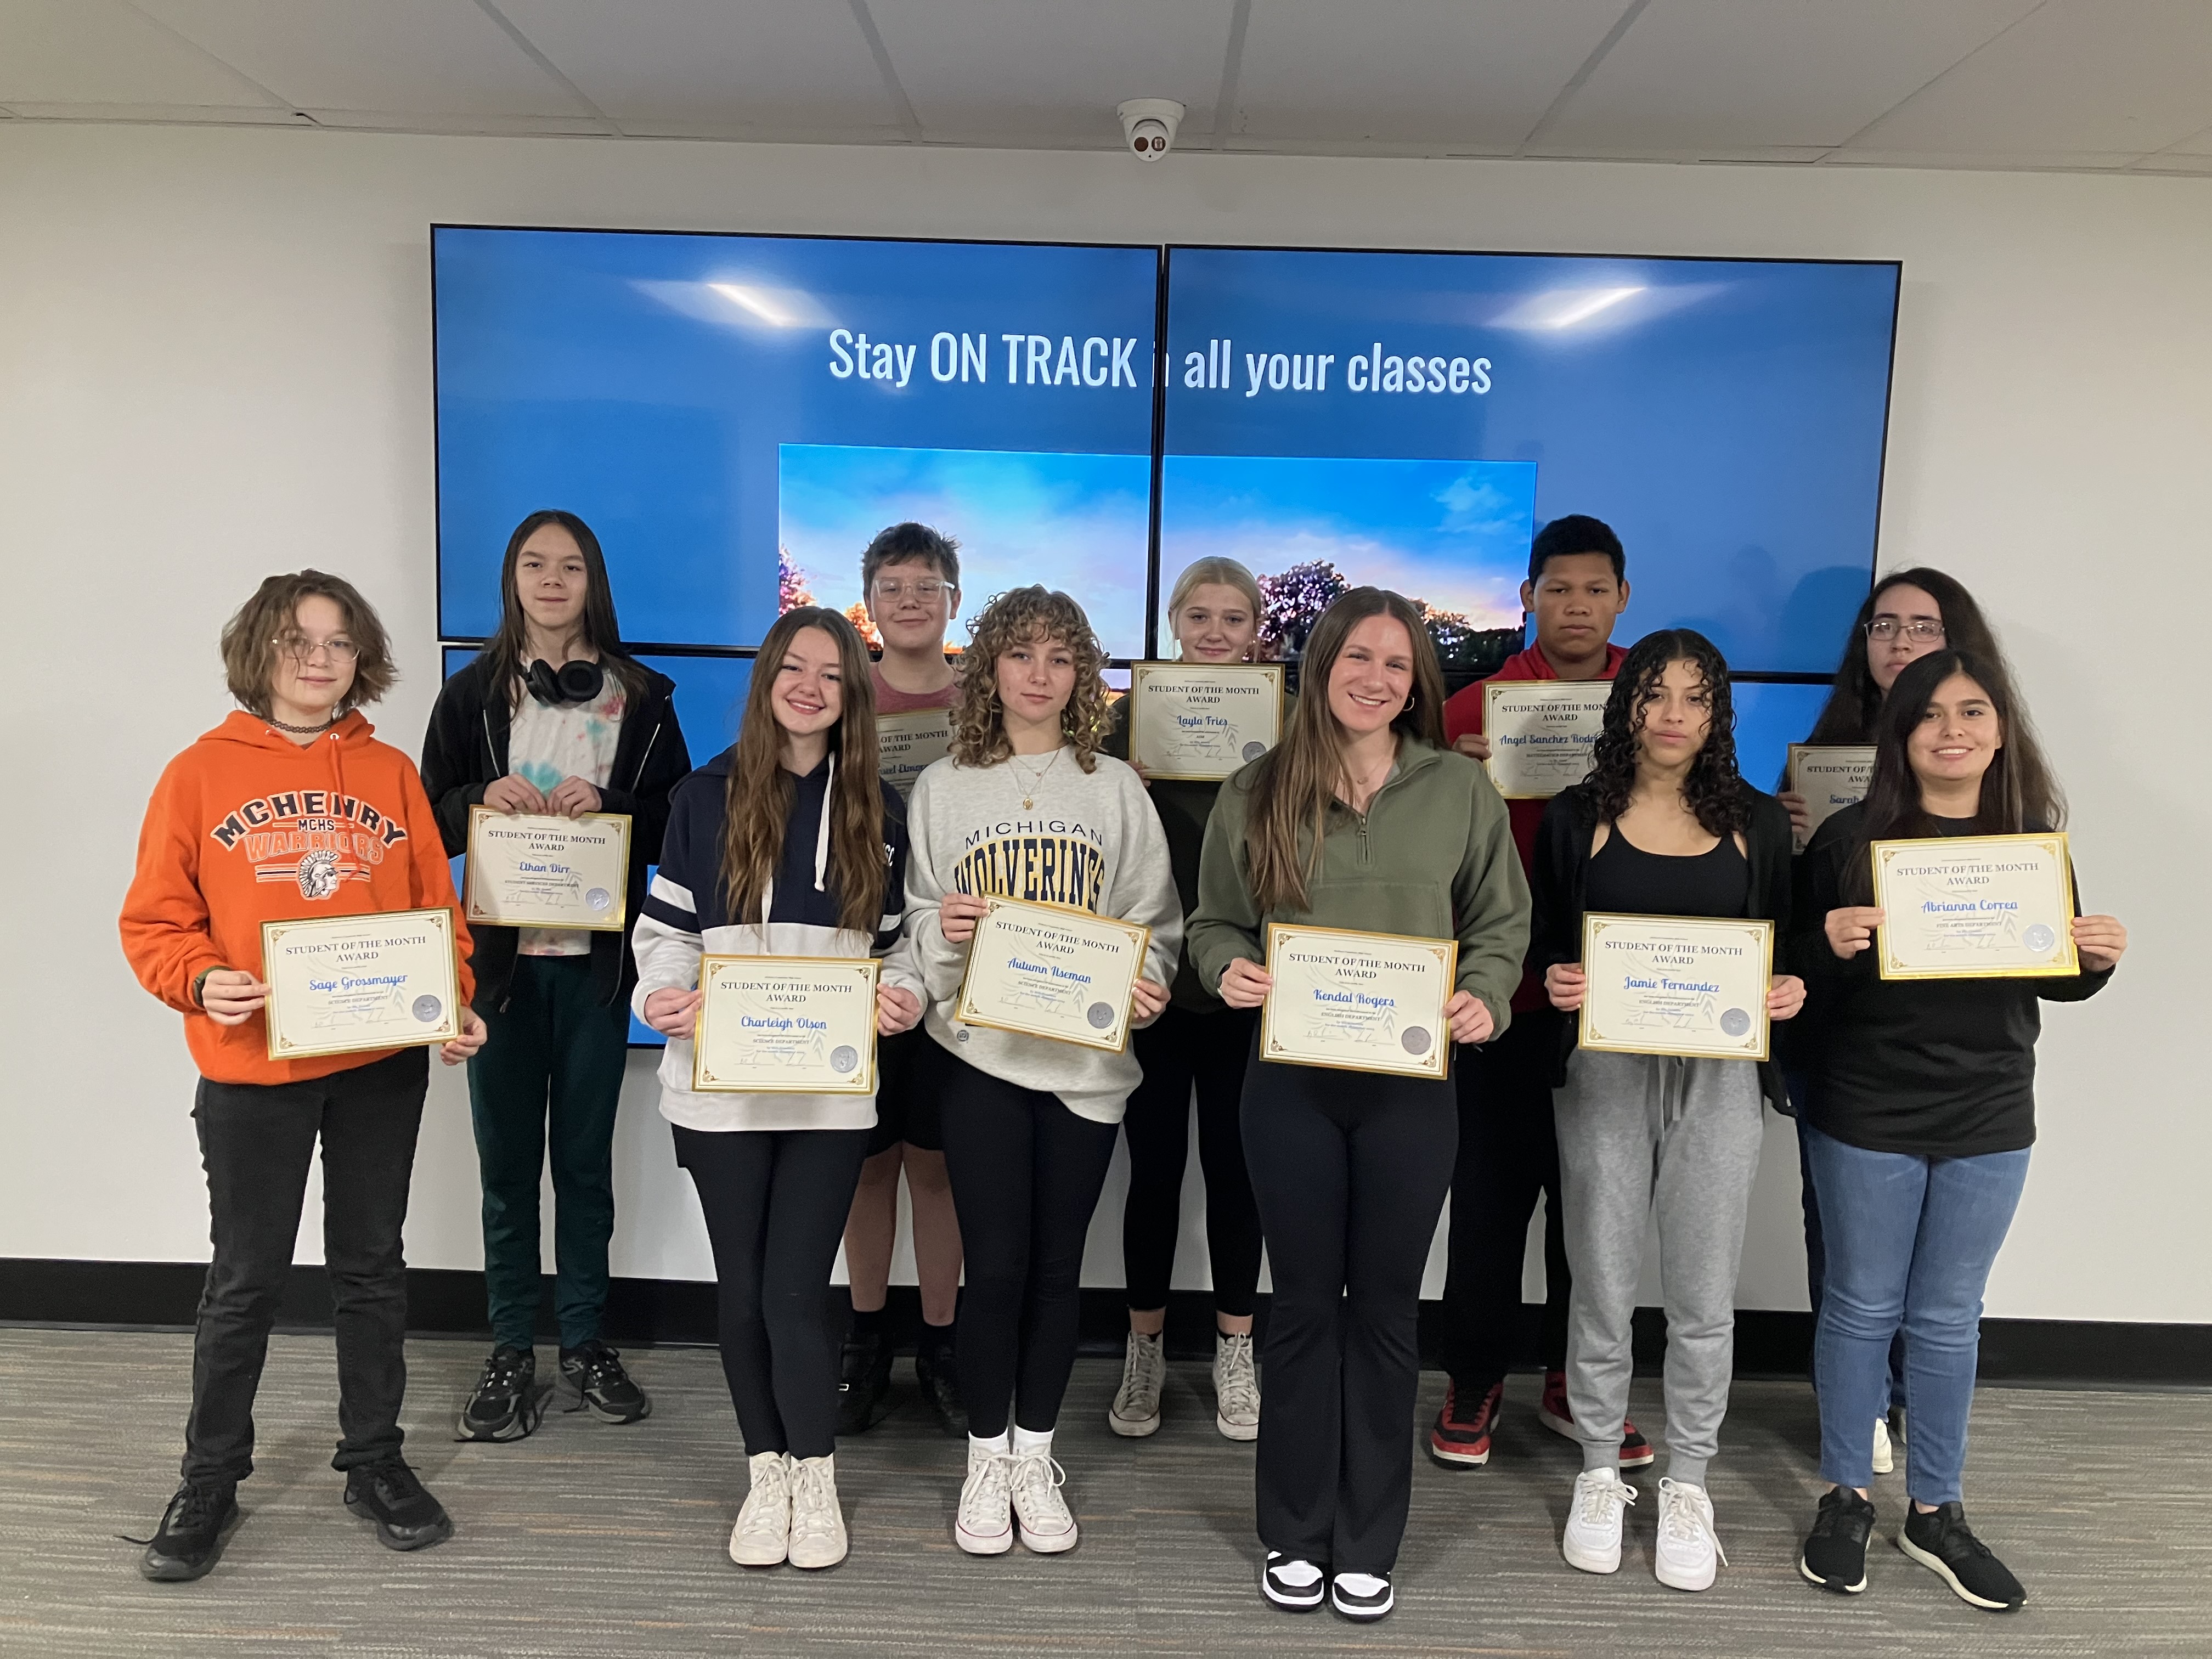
<point>822,833</point>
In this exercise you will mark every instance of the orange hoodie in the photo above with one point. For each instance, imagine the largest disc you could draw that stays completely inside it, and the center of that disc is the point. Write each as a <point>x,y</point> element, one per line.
<point>245,827</point>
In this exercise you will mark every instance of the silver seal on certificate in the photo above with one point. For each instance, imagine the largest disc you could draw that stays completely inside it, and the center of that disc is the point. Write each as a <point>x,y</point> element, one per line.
<point>1542,733</point>
<point>785,1025</point>
<point>908,745</point>
<point>1830,776</point>
<point>1202,720</point>
<point>1359,1002</point>
<point>1690,985</point>
<point>540,870</point>
<point>1050,970</point>
<point>1975,907</point>
<point>341,984</point>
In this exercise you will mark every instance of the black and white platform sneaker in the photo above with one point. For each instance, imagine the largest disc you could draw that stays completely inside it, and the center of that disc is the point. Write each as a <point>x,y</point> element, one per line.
<point>1293,1585</point>
<point>1361,1595</point>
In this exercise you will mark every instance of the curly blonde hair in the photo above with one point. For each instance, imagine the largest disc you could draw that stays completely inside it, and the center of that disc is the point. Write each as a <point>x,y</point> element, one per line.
<point>1018,616</point>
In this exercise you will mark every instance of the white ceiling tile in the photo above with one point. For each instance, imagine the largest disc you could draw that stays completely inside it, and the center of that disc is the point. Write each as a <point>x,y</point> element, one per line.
<point>707,67</point>
<point>1715,74</point>
<point>2199,143</point>
<point>101,52</point>
<point>2111,77</point>
<point>1469,75</point>
<point>1005,69</point>
<point>401,57</point>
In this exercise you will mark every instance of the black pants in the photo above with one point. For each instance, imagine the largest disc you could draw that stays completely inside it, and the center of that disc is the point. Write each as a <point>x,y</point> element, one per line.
<point>258,1143</point>
<point>1026,1174</point>
<point>775,1202</point>
<point>1508,1153</point>
<point>1351,1173</point>
<point>1181,1048</point>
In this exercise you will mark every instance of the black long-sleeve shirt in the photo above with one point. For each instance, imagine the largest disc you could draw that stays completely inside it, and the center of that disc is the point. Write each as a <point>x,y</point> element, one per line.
<point>1932,1068</point>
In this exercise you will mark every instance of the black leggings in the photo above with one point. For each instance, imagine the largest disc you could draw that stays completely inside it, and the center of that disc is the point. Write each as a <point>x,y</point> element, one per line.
<point>776,1201</point>
<point>1026,1174</point>
<point>1181,1048</point>
<point>1350,1173</point>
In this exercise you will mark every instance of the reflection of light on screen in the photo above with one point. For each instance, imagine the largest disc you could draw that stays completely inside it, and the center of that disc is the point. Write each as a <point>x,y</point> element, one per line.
<point>738,304</point>
<point>766,306</point>
<point>1564,307</point>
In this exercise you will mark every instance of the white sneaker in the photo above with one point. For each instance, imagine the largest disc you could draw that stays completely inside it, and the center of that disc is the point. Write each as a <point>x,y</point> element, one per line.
<point>1236,1388</point>
<point>1689,1551</point>
<point>817,1525</point>
<point>762,1537</point>
<point>1046,1526</point>
<point>1884,1459</point>
<point>986,1524</point>
<point>1136,1409</point>
<point>1592,1540</point>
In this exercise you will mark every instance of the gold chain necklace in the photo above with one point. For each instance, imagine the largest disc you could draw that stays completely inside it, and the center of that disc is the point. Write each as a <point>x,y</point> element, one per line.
<point>1029,795</point>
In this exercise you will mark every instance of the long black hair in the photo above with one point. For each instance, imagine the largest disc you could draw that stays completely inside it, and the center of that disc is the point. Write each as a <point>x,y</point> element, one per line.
<point>1849,714</point>
<point>508,648</point>
<point>1713,791</point>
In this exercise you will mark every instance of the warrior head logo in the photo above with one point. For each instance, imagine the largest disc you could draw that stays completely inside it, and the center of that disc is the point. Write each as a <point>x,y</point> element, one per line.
<point>319,875</point>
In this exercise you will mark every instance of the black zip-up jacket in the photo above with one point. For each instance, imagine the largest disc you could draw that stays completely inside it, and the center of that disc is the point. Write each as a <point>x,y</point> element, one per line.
<point>1563,855</point>
<point>465,749</point>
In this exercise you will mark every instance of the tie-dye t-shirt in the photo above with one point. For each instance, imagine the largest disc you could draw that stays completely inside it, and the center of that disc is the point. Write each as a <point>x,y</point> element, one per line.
<point>567,740</point>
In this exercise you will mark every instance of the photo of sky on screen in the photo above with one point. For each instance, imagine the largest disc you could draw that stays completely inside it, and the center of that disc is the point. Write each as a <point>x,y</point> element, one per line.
<point>1073,522</point>
<point>1453,535</point>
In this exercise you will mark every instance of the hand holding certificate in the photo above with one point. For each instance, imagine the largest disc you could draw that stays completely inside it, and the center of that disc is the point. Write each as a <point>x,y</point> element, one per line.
<point>1202,720</point>
<point>1695,987</point>
<point>907,744</point>
<point>1830,777</point>
<point>1542,733</point>
<point>529,870</point>
<point>785,1025</point>
<point>1975,907</point>
<point>342,984</point>
<point>1052,971</point>
<point>1359,1002</point>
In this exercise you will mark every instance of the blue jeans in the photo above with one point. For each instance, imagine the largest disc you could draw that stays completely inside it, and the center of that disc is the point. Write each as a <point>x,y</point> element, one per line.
<point>1816,1254</point>
<point>1910,1241</point>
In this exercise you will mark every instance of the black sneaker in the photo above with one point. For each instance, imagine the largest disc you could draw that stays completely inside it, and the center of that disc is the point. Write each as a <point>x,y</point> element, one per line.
<point>194,1528</point>
<point>864,1385</point>
<point>393,1495</point>
<point>505,1403</point>
<point>939,1372</point>
<point>1293,1584</point>
<point>1942,1542</point>
<point>595,1372</point>
<point>1361,1597</point>
<point>1834,1556</point>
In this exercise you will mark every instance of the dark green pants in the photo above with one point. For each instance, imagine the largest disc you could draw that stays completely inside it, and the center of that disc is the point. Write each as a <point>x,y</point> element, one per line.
<point>547,1080</point>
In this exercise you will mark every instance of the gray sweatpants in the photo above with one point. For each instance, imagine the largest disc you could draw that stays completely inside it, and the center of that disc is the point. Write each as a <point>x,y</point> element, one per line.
<point>1640,1134</point>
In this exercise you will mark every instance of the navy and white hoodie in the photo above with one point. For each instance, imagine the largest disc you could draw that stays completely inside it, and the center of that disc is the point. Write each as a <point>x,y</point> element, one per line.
<point>686,917</point>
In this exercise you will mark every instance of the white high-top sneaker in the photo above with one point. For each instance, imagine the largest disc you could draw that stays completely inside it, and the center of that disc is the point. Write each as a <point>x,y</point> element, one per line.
<point>1136,1408</point>
<point>1592,1540</point>
<point>817,1525</point>
<point>1236,1388</point>
<point>1689,1551</point>
<point>986,1523</point>
<point>762,1537</point>
<point>1048,1526</point>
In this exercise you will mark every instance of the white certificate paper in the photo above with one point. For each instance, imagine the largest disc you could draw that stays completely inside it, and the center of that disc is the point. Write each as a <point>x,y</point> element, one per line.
<point>1830,776</point>
<point>785,1025</point>
<point>340,984</point>
<point>533,869</point>
<point>1542,733</point>
<point>907,744</point>
<point>1975,907</point>
<point>1359,1002</point>
<point>1051,970</point>
<point>1203,720</point>
<point>1691,985</point>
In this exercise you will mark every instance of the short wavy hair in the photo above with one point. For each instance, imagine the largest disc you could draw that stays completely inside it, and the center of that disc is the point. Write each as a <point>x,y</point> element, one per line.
<point>249,639</point>
<point>1016,616</point>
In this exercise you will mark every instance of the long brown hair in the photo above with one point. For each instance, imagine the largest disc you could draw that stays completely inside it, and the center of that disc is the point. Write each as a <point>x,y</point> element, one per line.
<point>249,638</point>
<point>1851,712</point>
<point>508,648</point>
<point>1024,616</point>
<point>1299,779</point>
<point>758,803</point>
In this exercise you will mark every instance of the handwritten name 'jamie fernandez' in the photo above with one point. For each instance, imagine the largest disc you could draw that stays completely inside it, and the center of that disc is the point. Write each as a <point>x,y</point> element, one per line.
<point>1634,982</point>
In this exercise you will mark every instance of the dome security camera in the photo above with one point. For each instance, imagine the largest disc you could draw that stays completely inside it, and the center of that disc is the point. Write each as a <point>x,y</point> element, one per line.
<point>1149,125</point>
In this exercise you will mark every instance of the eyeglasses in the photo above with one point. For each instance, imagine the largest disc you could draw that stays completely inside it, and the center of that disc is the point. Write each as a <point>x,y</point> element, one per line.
<point>299,647</point>
<point>1919,630</point>
<point>892,593</point>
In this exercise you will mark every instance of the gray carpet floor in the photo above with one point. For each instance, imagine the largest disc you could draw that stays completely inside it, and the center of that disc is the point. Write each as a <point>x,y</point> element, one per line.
<point>592,1540</point>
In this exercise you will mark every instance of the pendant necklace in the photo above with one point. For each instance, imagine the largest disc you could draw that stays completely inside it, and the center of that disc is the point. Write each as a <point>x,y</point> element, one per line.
<point>1029,795</point>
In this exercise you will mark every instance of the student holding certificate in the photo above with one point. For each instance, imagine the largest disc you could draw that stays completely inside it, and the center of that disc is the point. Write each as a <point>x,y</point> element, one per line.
<point>1360,821</point>
<point>911,576</point>
<point>1214,613</point>
<point>1664,826</point>
<point>1508,1150</point>
<point>1026,808</point>
<point>552,720</point>
<point>291,808</point>
<point>786,845</point>
<point>1921,1113</point>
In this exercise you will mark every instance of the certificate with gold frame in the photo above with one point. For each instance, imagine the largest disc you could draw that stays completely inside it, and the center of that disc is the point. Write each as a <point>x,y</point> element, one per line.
<point>545,870</point>
<point>1359,1002</point>
<point>338,985</point>
<point>1203,721</point>
<point>907,746</point>
<point>1693,987</point>
<point>1975,907</point>
<point>794,1025</point>
<point>1830,776</point>
<point>1052,971</point>
<point>1543,733</point>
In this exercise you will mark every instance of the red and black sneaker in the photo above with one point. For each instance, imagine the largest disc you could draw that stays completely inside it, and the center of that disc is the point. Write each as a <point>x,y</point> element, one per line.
<point>1463,1440</point>
<point>1635,1450</point>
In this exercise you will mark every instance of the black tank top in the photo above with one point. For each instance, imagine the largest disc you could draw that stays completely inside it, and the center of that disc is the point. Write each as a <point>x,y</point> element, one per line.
<point>1626,880</point>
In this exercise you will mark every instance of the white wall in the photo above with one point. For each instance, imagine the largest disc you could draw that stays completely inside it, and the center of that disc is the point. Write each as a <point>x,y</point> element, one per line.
<point>215,363</point>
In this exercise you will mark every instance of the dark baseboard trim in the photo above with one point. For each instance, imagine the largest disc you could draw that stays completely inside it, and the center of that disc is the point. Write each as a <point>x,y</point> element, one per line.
<point>441,1302</point>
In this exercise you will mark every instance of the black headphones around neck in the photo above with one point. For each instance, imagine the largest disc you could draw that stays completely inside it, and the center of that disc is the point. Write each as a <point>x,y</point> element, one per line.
<point>575,682</point>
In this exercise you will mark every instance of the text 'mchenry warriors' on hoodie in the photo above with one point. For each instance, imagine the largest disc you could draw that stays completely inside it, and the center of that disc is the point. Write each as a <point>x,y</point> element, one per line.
<point>1091,841</point>
<point>245,827</point>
